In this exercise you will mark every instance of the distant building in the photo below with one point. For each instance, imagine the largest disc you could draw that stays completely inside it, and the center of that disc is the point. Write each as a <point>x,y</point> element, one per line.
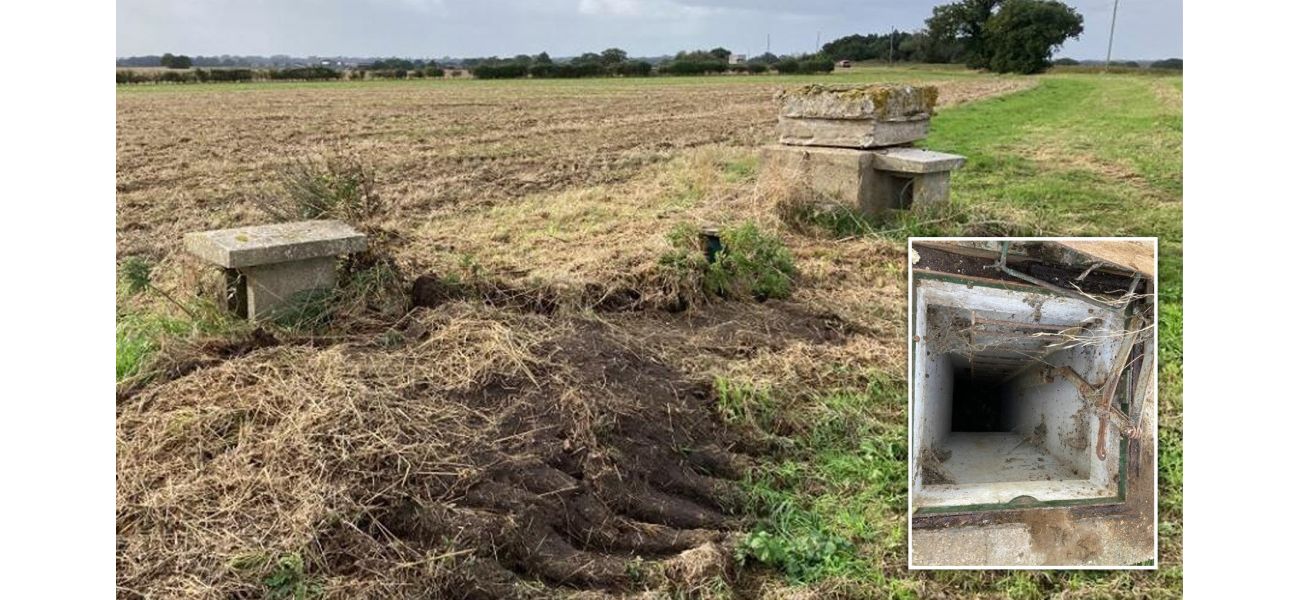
<point>736,59</point>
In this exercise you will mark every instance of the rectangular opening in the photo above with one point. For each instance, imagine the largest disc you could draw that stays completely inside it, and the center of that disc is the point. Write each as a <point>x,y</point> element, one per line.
<point>1002,413</point>
<point>899,187</point>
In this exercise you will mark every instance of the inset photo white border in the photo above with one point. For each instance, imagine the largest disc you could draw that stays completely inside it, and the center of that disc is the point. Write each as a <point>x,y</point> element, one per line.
<point>1029,333</point>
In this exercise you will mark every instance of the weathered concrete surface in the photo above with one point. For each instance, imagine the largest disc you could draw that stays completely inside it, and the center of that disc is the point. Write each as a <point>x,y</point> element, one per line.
<point>879,102</point>
<point>268,244</point>
<point>854,178</point>
<point>931,189</point>
<point>1046,541</point>
<point>1054,537</point>
<point>916,160</point>
<point>841,175</point>
<point>277,262</point>
<point>272,286</point>
<point>847,133</point>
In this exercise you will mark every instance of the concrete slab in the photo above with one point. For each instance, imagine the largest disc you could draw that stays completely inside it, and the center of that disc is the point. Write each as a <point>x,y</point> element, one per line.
<point>841,175</point>
<point>1047,539</point>
<point>269,244</point>
<point>931,189</point>
<point>878,102</point>
<point>916,160</point>
<point>847,133</point>
<point>272,287</point>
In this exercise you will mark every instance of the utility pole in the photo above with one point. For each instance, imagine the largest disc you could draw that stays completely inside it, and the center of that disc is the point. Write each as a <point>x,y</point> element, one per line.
<point>818,47</point>
<point>891,45</point>
<point>1113,12</point>
<point>769,43</point>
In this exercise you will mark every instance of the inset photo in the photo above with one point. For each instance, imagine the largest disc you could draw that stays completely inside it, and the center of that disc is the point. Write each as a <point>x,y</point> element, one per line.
<point>1032,405</point>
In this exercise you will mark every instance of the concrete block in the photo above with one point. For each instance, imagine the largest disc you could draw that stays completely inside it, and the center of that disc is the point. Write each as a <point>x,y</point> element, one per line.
<point>269,244</point>
<point>840,174</point>
<point>270,287</point>
<point>916,160</point>
<point>879,102</point>
<point>930,189</point>
<point>855,178</point>
<point>268,265</point>
<point>849,133</point>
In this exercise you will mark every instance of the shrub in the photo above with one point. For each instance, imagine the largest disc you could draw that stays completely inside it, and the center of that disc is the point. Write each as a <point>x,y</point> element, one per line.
<point>177,77</point>
<point>756,67</point>
<point>305,73</point>
<point>750,264</point>
<point>819,64</point>
<point>1168,63</point>
<point>636,68</point>
<point>500,71</point>
<point>1065,62</point>
<point>435,72</point>
<point>695,66</point>
<point>336,186</point>
<point>787,66</point>
<point>224,74</point>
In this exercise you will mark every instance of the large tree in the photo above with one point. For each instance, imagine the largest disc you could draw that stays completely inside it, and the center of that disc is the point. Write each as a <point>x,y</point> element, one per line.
<point>1005,35</point>
<point>1023,34</point>
<point>963,22</point>
<point>613,56</point>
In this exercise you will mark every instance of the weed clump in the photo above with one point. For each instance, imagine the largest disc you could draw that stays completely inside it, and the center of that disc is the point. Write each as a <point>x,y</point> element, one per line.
<point>746,263</point>
<point>803,557</point>
<point>333,186</point>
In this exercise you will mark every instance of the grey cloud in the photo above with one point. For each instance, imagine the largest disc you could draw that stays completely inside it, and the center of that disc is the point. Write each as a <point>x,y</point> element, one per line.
<point>421,28</point>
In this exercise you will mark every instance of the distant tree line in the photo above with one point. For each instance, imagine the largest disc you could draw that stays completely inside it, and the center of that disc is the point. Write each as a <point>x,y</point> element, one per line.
<point>128,76</point>
<point>999,35</point>
<point>1168,64</point>
<point>610,62</point>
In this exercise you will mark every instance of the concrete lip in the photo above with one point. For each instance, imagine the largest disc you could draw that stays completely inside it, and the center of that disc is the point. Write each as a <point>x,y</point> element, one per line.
<point>271,244</point>
<point>916,160</point>
<point>878,102</point>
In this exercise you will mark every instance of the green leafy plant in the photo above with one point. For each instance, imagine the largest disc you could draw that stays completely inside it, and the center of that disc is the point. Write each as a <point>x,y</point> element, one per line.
<point>801,557</point>
<point>285,576</point>
<point>750,263</point>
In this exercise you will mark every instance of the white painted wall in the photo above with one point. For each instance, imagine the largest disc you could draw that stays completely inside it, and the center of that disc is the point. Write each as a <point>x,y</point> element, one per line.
<point>1055,403</point>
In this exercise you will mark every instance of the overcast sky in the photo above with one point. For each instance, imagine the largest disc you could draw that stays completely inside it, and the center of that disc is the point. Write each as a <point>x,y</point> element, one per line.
<point>464,28</point>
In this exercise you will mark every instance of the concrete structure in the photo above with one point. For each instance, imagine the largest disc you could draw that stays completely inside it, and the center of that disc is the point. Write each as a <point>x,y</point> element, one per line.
<point>268,265</point>
<point>852,145</point>
<point>855,117</point>
<point>1032,407</point>
<point>873,182</point>
<point>993,421</point>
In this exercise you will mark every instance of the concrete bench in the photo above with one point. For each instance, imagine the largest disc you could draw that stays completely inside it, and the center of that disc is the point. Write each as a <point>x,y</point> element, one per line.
<point>872,181</point>
<point>267,265</point>
<point>920,177</point>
